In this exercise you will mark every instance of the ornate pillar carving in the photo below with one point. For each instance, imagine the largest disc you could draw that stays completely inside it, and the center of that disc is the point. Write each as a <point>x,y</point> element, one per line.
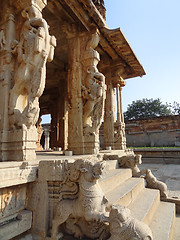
<point>46,133</point>
<point>62,116</point>
<point>7,35</point>
<point>53,133</point>
<point>109,116</point>
<point>93,93</point>
<point>118,104</point>
<point>31,49</point>
<point>75,110</point>
<point>86,91</point>
<point>119,125</point>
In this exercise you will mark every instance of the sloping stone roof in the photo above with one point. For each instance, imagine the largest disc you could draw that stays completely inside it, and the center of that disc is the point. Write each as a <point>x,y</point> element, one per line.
<point>115,41</point>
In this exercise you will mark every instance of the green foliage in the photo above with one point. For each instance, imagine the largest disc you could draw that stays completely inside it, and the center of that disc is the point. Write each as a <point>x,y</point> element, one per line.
<point>175,108</point>
<point>146,108</point>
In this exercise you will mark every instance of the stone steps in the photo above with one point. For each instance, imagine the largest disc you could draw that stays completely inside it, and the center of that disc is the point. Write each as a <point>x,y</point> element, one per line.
<point>177,228</point>
<point>115,177</point>
<point>111,165</point>
<point>144,206</point>
<point>163,220</point>
<point>126,192</point>
<point>121,188</point>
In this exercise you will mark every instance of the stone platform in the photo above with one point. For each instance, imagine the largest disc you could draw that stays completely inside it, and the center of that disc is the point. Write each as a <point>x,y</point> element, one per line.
<point>117,184</point>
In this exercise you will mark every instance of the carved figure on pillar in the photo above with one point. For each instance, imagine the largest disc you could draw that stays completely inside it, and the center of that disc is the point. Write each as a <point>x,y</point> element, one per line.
<point>94,88</point>
<point>34,48</point>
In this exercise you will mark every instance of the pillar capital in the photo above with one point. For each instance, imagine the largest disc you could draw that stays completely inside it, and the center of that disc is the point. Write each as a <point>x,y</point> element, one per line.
<point>25,4</point>
<point>118,81</point>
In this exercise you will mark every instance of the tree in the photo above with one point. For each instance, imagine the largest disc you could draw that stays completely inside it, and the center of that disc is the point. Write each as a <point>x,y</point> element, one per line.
<point>175,108</point>
<point>146,108</point>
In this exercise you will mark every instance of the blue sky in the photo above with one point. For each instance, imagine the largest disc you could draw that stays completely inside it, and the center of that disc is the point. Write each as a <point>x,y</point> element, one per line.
<point>152,27</point>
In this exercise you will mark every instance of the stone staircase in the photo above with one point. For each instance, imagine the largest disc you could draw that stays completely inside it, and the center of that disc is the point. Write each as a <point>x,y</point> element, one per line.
<point>121,188</point>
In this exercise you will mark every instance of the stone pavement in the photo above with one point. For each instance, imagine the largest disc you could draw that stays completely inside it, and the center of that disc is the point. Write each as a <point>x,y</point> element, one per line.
<point>168,173</point>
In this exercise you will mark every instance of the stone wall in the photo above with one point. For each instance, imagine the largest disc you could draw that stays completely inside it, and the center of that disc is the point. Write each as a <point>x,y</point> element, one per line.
<point>16,179</point>
<point>155,132</point>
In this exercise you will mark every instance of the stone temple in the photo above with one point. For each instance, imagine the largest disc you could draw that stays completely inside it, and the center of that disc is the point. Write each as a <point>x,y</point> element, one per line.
<point>59,57</point>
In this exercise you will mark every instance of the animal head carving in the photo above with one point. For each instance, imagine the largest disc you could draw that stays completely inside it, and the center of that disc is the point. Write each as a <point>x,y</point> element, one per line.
<point>138,159</point>
<point>119,212</point>
<point>124,225</point>
<point>148,172</point>
<point>98,169</point>
<point>92,170</point>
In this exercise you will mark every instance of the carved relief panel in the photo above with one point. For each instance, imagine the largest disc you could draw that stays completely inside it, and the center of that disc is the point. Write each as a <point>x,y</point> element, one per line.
<point>12,200</point>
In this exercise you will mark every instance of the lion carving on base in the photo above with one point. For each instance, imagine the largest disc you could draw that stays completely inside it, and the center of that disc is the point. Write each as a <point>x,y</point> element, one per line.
<point>153,183</point>
<point>90,203</point>
<point>124,227</point>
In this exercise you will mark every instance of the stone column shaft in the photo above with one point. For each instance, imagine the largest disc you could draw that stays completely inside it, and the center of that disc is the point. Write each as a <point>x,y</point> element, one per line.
<point>119,127</point>
<point>109,114</point>
<point>121,106</point>
<point>118,104</point>
<point>46,145</point>
<point>6,72</point>
<point>75,124</point>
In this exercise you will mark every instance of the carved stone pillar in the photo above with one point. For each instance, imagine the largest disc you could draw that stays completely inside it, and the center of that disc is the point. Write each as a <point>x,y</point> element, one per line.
<point>93,93</point>
<point>119,125</point>
<point>75,122</point>
<point>109,114</point>
<point>46,134</point>
<point>62,117</point>
<point>118,104</point>
<point>53,133</point>
<point>7,35</point>
<point>29,47</point>
<point>86,91</point>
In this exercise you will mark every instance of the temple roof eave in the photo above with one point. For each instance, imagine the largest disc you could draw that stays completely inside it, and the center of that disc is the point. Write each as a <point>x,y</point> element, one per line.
<point>116,39</point>
<point>112,41</point>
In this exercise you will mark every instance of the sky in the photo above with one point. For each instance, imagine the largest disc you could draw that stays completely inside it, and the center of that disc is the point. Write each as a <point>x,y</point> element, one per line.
<point>152,28</point>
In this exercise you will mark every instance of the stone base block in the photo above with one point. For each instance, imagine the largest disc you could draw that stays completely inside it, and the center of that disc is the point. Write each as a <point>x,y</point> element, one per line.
<point>91,144</point>
<point>107,145</point>
<point>76,148</point>
<point>120,145</point>
<point>17,226</point>
<point>68,153</point>
<point>18,145</point>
